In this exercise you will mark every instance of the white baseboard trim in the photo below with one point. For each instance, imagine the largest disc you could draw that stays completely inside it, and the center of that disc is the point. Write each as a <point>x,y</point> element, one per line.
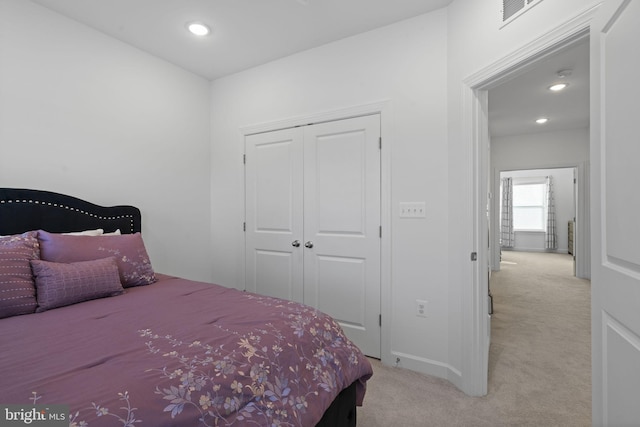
<point>555,251</point>
<point>428,367</point>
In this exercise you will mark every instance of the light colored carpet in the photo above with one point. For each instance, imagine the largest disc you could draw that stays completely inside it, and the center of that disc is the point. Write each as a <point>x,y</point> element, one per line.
<point>540,360</point>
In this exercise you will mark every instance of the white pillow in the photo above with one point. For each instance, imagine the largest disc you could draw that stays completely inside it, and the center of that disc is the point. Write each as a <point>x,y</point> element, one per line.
<point>115,233</point>
<point>96,232</point>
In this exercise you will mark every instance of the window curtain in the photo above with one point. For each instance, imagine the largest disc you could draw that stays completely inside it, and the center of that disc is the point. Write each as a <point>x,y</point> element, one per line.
<point>506,220</point>
<point>551,234</point>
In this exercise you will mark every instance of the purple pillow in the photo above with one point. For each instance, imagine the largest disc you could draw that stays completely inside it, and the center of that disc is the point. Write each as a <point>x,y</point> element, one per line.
<point>17,290</point>
<point>128,249</point>
<point>60,284</point>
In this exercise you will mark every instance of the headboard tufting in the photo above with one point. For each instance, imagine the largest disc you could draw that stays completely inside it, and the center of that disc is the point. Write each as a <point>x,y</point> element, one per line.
<point>24,210</point>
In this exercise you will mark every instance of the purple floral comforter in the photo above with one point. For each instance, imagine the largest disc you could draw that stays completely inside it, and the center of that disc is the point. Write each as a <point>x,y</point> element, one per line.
<point>180,353</point>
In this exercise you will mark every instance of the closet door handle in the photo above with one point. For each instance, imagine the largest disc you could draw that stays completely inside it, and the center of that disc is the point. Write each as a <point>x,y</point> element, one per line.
<point>309,244</point>
<point>295,243</point>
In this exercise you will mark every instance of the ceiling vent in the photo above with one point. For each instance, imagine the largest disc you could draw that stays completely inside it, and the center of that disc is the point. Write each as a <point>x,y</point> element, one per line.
<point>514,8</point>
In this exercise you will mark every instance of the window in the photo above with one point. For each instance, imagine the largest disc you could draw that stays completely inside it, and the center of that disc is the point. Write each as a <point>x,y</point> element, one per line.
<point>529,206</point>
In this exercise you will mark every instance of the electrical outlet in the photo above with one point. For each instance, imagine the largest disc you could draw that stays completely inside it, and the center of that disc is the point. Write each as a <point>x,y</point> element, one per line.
<point>421,308</point>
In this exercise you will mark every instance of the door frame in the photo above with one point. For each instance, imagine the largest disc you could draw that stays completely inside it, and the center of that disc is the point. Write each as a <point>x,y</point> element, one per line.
<point>385,110</point>
<point>475,304</point>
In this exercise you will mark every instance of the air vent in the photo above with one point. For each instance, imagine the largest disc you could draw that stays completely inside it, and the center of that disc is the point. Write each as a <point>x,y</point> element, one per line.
<point>513,8</point>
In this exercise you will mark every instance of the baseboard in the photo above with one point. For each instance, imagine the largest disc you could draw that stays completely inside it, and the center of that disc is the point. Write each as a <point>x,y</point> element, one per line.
<point>428,367</point>
<point>553,251</point>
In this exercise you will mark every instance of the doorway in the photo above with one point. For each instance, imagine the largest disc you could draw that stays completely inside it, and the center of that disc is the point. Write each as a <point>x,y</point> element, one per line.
<point>476,330</point>
<point>539,157</point>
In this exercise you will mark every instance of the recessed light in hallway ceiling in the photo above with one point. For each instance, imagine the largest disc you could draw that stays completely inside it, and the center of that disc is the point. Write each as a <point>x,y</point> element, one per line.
<point>558,87</point>
<point>198,28</point>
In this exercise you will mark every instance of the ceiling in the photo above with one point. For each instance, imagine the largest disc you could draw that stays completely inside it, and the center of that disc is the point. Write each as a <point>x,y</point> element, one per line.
<point>515,105</point>
<point>245,33</point>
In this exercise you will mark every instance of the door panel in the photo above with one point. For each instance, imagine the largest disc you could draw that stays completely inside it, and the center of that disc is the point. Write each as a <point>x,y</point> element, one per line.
<point>342,220</point>
<point>344,277</point>
<point>274,218</point>
<point>621,159</point>
<point>340,181</point>
<point>620,366</point>
<point>616,230</point>
<point>275,274</point>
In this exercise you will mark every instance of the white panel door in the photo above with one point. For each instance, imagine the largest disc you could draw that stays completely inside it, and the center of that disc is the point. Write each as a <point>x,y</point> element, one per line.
<point>274,216</point>
<point>313,221</point>
<point>616,206</point>
<point>342,226</point>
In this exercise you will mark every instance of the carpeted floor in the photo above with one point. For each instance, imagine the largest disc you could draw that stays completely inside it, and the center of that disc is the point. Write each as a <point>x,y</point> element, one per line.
<point>540,358</point>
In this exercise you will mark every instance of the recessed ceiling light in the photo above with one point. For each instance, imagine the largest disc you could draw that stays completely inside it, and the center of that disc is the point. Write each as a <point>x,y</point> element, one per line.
<point>542,120</point>
<point>198,28</point>
<point>558,87</point>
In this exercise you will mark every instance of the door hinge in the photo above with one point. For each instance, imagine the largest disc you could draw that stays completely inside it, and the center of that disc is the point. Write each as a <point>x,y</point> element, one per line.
<point>380,143</point>
<point>474,256</point>
<point>380,231</point>
<point>380,320</point>
<point>244,226</point>
<point>244,159</point>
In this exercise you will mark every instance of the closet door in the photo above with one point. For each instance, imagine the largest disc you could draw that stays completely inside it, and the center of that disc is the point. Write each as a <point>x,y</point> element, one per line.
<point>274,217</point>
<point>342,225</point>
<point>313,221</point>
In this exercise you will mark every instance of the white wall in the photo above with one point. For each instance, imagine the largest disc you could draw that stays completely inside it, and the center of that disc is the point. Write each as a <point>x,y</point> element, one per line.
<point>86,115</point>
<point>404,64</point>
<point>540,150</point>
<point>564,208</point>
<point>475,42</point>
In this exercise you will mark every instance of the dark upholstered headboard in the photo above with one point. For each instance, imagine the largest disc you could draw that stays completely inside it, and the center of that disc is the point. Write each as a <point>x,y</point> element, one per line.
<point>24,210</point>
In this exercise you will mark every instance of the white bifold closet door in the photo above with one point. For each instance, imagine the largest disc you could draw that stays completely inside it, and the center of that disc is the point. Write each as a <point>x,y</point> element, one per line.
<point>313,221</point>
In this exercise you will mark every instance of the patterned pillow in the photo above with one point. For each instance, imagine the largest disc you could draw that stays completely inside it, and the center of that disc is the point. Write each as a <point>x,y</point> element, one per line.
<point>59,284</point>
<point>17,290</point>
<point>128,249</point>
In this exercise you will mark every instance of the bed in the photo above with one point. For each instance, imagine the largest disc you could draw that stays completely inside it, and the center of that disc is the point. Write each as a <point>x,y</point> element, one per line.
<point>94,329</point>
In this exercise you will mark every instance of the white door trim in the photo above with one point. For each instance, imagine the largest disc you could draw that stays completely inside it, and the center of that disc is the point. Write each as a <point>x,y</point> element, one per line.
<point>384,108</point>
<point>475,338</point>
<point>326,116</point>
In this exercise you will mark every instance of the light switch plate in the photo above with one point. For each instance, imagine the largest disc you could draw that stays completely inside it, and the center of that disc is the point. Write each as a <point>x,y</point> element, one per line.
<point>413,209</point>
